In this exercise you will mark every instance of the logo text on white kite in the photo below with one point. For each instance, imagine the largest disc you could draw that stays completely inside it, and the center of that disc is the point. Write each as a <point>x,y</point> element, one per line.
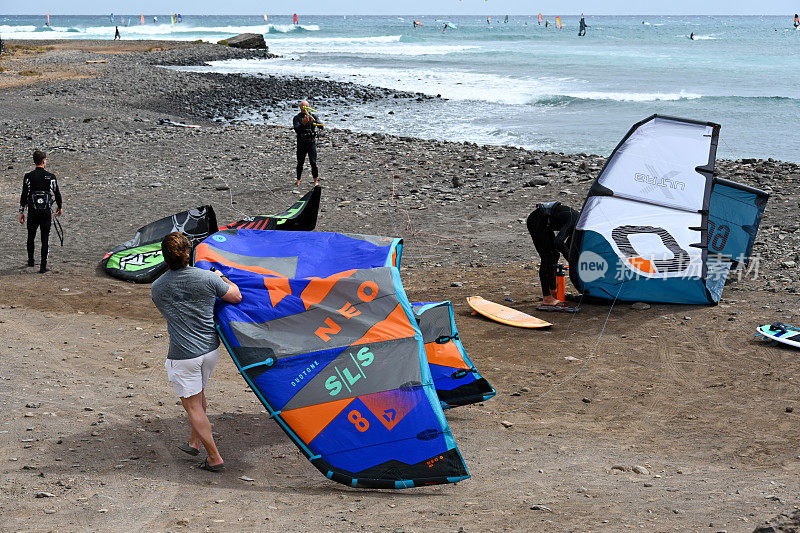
<point>591,266</point>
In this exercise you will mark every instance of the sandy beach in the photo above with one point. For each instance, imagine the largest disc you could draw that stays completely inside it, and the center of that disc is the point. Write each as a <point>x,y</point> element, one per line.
<point>701,433</point>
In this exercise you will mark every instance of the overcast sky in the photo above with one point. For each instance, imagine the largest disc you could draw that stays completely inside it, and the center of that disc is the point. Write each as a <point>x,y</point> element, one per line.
<point>410,7</point>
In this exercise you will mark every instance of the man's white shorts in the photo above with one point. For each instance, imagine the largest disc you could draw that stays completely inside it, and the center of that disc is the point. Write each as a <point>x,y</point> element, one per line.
<point>190,376</point>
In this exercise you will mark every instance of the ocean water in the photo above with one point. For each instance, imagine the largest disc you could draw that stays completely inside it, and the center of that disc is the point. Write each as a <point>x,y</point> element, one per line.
<point>519,83</point>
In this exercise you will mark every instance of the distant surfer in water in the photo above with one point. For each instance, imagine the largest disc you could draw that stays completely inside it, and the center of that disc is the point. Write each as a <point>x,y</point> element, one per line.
<point>796,21</point>
<point>582,29</point>
<point>116,33</point>
<point>691,36</point>
<point>305,126</point>
<point>551,225</point>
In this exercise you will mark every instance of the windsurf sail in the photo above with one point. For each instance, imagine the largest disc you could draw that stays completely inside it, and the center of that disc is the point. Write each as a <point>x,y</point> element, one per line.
<point>540,19</point>
<point>140,259</point>
<point>558,22</point>
<point>301,216</point>
<point>657,225</point>
<point>294,19</point>
<point>141,19</point>
<point>327,339</point>
<point>455,378</point>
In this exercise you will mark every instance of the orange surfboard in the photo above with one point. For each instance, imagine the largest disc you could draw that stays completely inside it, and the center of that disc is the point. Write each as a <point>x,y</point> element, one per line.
<point>505,315</point>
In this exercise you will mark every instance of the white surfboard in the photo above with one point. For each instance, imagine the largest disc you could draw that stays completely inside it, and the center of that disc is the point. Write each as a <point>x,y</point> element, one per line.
<point>782,333</point>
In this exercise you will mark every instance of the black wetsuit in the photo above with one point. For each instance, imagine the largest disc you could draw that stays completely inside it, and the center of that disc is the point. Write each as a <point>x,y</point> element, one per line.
<point>306,143</point>
<point>39,188</point>
<point>551,226</point>
<point>582,29</point>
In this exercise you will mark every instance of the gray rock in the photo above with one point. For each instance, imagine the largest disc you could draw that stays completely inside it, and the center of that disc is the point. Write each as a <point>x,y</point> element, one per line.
<point>640,306</point>
<point>781,523</point>
<point>247,40</point>
<point>640,470</point>
<point>43,494</point>
<point>540,508</point>
<point>537,181</point>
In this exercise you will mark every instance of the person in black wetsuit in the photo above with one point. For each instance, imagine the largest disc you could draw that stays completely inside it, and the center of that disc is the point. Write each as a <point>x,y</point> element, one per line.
<point>551,225</point>
<point>39,189</point>
<point>305,126</point>
<point>583,26</point>
<point>116,33</point>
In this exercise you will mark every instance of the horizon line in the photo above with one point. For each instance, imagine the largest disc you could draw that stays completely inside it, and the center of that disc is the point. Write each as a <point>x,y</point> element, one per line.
<point>408,14</point>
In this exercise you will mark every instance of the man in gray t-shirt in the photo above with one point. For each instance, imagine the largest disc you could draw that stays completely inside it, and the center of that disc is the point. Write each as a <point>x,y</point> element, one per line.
<point>186,297</point>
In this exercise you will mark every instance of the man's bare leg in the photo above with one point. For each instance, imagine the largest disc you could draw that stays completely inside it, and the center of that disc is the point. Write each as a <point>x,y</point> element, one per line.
<point>194,438</point>
<point>202,426</point>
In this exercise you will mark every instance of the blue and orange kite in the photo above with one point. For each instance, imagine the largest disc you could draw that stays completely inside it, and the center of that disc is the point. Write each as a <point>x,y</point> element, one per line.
<point>354,373</point>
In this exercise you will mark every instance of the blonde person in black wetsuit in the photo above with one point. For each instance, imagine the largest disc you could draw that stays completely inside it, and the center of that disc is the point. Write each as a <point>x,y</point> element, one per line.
<point>39,189</point>
<point>305,126</point>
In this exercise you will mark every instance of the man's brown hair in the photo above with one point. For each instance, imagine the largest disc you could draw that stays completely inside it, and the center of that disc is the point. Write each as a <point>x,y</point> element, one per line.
<point>39,157</point>
<point>176,249</point>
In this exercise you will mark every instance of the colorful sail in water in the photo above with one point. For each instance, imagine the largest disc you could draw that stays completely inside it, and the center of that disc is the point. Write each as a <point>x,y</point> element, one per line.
<point>558,22</point>
<point>294,19</point>
<point>658,226</point>
<point>326,338</point>
<point>141,19</point>
<point>265,18</point>
<point>540,19</point>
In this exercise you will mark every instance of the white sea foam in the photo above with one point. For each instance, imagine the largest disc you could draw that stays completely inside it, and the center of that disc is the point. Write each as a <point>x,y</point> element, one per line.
<point>182,31</point>
<point>632,96</point>
<point>385,45</point>
<point>4,28</point>
<point>455,85</point>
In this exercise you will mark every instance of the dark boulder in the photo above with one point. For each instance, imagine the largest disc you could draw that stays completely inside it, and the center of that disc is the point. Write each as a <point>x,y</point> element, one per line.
<point>247,40</point>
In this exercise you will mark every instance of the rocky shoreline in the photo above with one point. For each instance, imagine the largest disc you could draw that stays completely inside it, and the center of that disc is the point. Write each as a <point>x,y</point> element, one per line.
<point>427,184</point>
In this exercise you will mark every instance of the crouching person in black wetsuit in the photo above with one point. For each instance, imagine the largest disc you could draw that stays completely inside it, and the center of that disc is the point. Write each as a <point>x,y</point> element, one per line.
<point>39,189</point>
<point>551,225</point>
<point>305,126</point>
